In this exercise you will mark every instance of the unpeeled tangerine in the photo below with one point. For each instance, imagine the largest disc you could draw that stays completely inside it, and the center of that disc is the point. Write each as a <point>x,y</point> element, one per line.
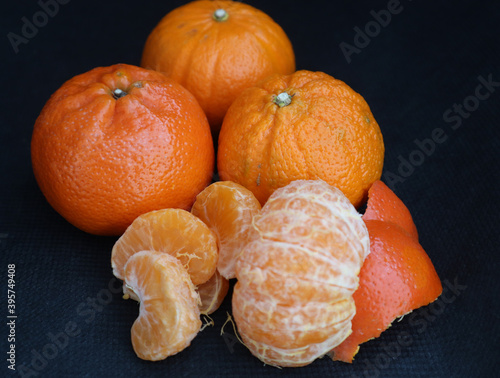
<point>293,299</point>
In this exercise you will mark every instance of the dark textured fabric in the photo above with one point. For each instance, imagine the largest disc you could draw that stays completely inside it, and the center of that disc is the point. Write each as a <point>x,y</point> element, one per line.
<point>431,75</point>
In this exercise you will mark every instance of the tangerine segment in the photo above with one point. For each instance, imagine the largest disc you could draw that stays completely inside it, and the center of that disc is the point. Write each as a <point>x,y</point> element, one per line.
<point>212,293</point>
<point>227,208</point>
<point>169,317</point>
<point>396,278</point>
<point>318,218</point>
<point>385,206</point>
<point>173,231</point>
<point>293,299</point>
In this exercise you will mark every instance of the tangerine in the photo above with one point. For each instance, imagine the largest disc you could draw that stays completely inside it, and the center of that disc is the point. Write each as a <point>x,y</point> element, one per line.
<point>293,301</point>
<point>216,49</point>
<point>117,142</point>
<point>306,125</point>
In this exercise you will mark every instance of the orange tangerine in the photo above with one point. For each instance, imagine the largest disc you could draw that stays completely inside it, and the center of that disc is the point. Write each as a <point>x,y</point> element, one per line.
<point>173,231</point>
<point>293,301</point>
<point>169,316</point>
<point>227,208</point>
<point>119,141</point>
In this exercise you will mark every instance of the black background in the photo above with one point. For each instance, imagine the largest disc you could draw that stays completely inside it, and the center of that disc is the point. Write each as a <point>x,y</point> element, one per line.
<point>430,56</point>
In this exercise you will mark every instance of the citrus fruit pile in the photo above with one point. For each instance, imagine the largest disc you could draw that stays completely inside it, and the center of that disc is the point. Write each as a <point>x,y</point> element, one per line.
<point>129,151</point>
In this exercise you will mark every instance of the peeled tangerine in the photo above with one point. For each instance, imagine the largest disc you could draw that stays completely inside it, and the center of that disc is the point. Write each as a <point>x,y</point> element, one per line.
<point>293,299</point>
<point>169,316</point>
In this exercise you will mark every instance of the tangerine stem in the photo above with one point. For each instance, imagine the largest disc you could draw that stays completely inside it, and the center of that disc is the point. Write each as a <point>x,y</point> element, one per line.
<point>118,93</point>
<point>283,99</point>
<point>220,15</point>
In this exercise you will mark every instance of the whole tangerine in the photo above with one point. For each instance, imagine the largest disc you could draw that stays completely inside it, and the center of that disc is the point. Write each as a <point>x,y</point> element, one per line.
<point>216,49</point>
<point>119,141</point>
<point>304,126</point>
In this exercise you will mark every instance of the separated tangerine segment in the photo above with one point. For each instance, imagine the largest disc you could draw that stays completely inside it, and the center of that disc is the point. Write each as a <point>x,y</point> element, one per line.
<point>212,293</point>
<point>228,209</point>
<point>169,316</point>
<point>172,231</point>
